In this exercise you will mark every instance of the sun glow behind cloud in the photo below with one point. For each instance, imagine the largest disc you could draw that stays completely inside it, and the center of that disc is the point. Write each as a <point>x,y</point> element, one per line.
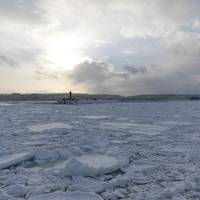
<point>64,51</point>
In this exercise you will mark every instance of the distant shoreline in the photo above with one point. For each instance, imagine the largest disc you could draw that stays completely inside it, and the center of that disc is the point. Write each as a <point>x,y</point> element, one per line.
<point>55,97</point>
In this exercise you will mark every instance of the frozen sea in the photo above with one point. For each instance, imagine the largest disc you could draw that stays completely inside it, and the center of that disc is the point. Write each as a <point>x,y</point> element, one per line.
<point>141,150</point>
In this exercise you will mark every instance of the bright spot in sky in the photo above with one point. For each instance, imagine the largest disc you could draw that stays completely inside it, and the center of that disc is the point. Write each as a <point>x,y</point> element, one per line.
<point>64,51</point>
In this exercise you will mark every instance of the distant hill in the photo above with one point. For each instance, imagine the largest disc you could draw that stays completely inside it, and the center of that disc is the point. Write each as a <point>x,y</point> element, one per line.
<point>55,97</point>
<point>78,96</point>
<point>166,97</point>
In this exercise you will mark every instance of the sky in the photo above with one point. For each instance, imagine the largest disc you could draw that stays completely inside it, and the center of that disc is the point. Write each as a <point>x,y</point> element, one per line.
<point>125,47</point>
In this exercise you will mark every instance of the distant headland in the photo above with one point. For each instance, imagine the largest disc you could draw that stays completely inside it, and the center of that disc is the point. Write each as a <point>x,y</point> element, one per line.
<point>96,97</point>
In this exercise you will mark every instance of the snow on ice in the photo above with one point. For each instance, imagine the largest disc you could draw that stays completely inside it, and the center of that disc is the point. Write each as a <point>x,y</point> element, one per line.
<point>43,127</point>
<point>93,117</point>
<point>5,104</point>
<point>110,151</point>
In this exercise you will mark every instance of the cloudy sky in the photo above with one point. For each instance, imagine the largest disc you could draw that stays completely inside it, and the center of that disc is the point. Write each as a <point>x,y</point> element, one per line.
<point>122,47</point>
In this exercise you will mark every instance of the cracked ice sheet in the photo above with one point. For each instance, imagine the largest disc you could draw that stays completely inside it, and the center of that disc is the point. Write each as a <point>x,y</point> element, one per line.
<point>169,163</point>
<point>43,127</point>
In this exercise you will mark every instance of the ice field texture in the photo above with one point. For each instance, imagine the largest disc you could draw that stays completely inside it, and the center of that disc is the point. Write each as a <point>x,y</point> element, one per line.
<point>110,151</point>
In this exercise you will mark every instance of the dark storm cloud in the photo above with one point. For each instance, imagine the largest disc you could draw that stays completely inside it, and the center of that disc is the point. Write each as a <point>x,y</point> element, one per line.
<point>135,70</point>
<point>97,77</point>
<point>19,20</point>
<point>7,61</point>
<point>22,10</point>
<point>19,57</point>
<point>94,72</point>
<point>41,73</point>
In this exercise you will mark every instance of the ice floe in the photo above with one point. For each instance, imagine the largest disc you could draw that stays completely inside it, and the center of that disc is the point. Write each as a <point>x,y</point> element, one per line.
<point>94,117</point>
<point>17,190</point>
<point>43,127</point>
<point>68,196</point>
<point>91,165</point>
<point>4,104</point>
<point>14,159</point>
<point>174,123</point>
<point>117,125</point>
<point>87,184</point>
<point>42,155</point>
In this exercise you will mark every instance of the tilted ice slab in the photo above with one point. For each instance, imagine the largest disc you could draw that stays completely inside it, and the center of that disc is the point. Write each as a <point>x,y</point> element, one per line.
<point>14,159</point>
<point>68,196</point>
<point>43,127</point>
<point>91,165</point>
<point>94,117</point>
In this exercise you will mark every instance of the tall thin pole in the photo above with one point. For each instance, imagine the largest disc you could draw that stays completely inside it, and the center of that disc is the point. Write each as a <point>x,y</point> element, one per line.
<point>70,95</point>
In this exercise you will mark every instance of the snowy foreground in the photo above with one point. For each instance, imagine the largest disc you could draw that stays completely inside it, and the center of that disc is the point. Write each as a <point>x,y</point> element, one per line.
<point>141,151</point>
